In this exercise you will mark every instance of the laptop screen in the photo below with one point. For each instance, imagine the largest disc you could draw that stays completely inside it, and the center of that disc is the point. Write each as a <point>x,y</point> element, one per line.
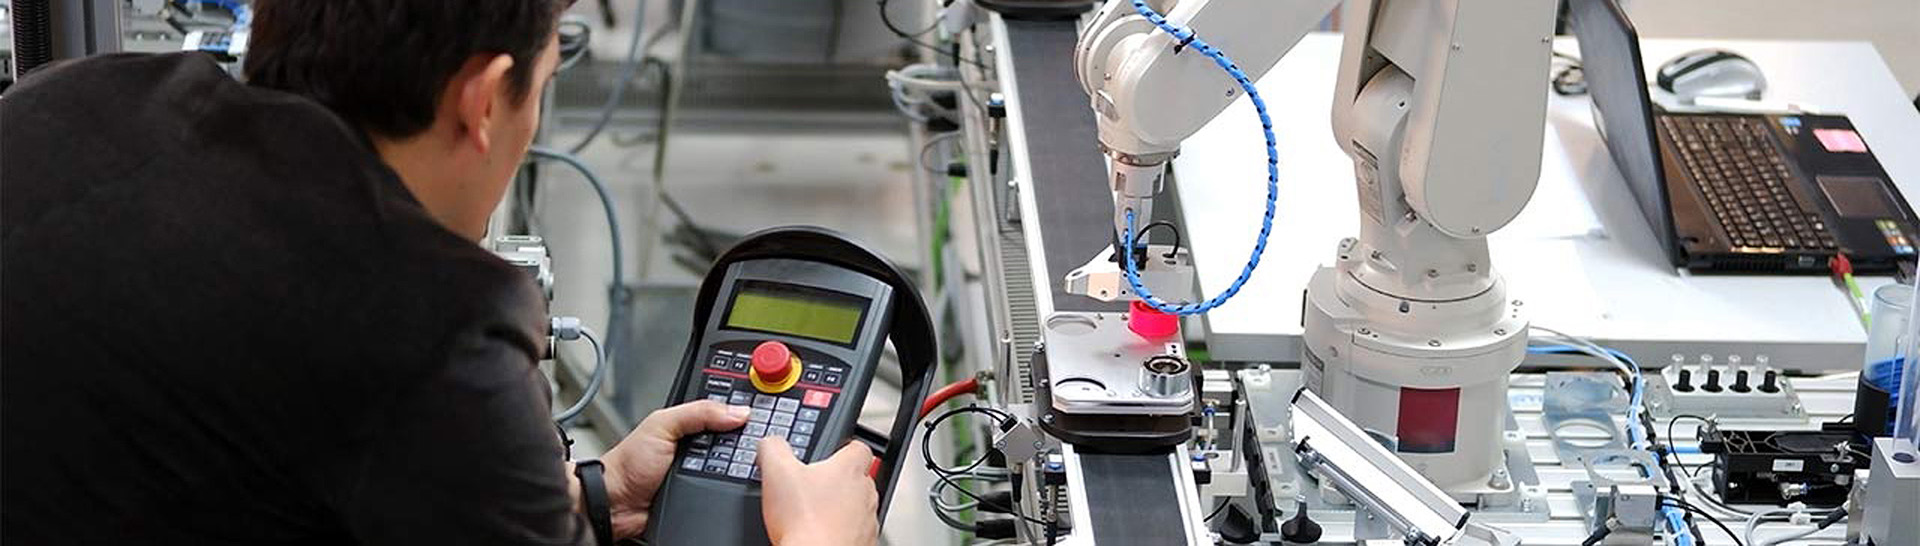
<point>1610,61</point>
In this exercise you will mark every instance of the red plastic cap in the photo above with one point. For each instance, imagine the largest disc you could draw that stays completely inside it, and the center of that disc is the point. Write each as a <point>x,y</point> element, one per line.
<point>772,361</point>
<point>1144,321</point>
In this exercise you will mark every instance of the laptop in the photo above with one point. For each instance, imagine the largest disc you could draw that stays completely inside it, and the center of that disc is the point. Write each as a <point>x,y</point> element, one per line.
<point>1739,193</point>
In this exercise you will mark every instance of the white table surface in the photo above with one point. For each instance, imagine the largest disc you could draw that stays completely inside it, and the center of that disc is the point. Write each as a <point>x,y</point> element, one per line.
<point>1581,255</point>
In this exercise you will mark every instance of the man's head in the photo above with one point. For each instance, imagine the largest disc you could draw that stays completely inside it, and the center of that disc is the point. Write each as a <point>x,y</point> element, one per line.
<point>447,90</point>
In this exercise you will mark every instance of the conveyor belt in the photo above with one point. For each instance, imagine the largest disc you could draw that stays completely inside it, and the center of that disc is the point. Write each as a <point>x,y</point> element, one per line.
<point>1066,172</point>
<point>1137,503</point>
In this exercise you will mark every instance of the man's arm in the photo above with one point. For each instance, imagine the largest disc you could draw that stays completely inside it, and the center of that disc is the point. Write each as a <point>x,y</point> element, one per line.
<point>469,456</point>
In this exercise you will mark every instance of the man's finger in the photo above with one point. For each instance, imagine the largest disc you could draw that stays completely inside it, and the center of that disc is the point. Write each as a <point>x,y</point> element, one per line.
<point>693,417</point>
<point>854,456</point>
<point>776,455</point>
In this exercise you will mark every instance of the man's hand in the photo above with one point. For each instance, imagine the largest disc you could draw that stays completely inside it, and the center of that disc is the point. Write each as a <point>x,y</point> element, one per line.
<point>829,502</point>
<point>637,466</point>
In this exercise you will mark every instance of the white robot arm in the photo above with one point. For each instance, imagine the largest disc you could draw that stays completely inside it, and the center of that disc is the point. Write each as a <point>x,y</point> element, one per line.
<point>1440,105</point>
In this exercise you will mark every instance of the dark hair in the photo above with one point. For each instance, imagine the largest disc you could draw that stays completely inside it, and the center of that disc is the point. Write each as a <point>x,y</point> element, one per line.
<point>381,64</point>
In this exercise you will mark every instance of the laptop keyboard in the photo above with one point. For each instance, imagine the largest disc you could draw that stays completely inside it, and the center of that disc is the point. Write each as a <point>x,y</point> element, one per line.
<point>1734,162</point>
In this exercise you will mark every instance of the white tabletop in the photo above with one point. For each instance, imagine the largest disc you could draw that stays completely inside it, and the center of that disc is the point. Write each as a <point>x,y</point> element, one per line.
<point>1581,255</point>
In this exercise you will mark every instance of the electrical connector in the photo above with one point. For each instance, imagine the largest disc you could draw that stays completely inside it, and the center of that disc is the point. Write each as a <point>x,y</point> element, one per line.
<point>565,328</point>
<point>991,529</point>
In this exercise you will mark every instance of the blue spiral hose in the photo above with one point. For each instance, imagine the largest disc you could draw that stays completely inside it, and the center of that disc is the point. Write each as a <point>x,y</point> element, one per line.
<point>1187,39</point>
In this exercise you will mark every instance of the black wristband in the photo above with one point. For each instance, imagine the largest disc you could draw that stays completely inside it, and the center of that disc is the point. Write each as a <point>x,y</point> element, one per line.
<point>593,499</point>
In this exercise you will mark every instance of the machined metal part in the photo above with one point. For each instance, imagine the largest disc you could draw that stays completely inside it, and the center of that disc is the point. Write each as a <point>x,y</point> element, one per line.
<point>528,253</point>
<point>1094,366</point>
<point>1166,376</point>
<point>1578,412</point>
<point>1893,489</point>
<point>1019,442</point>
<point>1167,271</point>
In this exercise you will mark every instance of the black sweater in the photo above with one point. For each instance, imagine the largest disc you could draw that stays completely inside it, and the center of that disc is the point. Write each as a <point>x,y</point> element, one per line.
<point>226,321</point>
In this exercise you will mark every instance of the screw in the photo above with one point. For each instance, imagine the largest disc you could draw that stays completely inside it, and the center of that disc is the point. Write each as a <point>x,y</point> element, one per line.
<point>1366,331</point>
<point>1903,457</point>
<point>1499,331</point>
<point>1517,303</point>
<point>1048,418</point>
<point>1471,268</point>
<point>1433,273</point>
<point>1433,343</point>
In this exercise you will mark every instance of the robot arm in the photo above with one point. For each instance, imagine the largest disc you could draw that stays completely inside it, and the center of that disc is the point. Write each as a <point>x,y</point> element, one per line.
<point>1149,95</point>
<point>1436,167</point>
<point>1440,105</point>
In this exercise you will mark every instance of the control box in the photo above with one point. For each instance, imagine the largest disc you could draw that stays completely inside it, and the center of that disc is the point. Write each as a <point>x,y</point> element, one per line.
<point>799,342</point>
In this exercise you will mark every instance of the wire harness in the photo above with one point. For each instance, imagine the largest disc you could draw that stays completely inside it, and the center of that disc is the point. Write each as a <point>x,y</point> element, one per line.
<point>1187,39</point>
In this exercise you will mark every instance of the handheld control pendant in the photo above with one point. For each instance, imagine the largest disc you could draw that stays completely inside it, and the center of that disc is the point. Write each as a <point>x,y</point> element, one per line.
<point>791,322</point>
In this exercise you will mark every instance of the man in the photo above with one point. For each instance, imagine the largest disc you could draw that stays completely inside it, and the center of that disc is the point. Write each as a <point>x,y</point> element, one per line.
<point>257,313</point>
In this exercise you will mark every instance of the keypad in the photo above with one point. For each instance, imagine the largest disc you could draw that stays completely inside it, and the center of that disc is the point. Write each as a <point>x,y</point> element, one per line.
<point>794,415</point>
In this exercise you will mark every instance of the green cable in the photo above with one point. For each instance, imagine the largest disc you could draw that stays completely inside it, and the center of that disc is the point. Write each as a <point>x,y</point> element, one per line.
<point>1866,320</point>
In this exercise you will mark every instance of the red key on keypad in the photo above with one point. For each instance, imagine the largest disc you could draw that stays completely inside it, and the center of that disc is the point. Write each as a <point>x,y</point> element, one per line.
<point>817,399</point>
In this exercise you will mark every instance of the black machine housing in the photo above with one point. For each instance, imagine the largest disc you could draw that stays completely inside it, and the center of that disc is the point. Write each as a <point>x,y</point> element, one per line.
<point>1783,466</point>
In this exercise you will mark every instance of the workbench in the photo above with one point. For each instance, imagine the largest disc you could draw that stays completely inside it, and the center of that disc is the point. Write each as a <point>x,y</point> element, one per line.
<point>1581,256</point>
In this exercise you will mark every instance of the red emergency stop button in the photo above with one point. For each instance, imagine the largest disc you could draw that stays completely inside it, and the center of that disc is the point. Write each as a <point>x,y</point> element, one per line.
<point>775,367</point>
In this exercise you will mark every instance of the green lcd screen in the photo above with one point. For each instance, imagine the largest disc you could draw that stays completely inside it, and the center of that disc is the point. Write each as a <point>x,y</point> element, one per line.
<point>783,309</point>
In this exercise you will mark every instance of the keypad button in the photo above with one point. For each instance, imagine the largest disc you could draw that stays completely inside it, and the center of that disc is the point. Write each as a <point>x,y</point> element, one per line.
<point>833,379</point>
<point>745,456</point>
<point>800,440</point>
<point>802,427</point>
<point>721,398</point>
<point>760,415</point>
<point>740,470</point>
<point>808,414</point>
<point>755,430</point>
<point>787,405</point>
<point>703,440</point>
<point>779,431</point>
<point>693,463</point>
<point>749,443</point>
<point>717,467</point>
<point>782,419</point>
<point>719,384</point>
<point>719,362</point>
<point>764,401</point>
<point>721,454</point>
<point>812,376</point>
<point>739,365</point>
<point>740,398</point>
<point>756,473</point>
<point>818,399</point>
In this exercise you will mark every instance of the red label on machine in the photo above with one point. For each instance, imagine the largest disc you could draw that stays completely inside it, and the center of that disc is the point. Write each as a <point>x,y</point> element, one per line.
<point>1429,419</point>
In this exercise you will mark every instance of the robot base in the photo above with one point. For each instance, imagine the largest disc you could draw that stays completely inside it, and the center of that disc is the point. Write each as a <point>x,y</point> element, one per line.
<point>1429,378</point>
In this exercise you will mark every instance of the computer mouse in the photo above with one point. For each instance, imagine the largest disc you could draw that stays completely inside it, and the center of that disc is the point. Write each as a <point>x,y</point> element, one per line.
<point>1712,73</point>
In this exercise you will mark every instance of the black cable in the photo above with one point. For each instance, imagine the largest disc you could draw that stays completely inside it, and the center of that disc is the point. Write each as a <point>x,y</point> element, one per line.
<point>1597,536</point>
<point>1216,511</point>
<point>1696,436</point>
<point>1849,417</point>
<point>926,439</point>
<point>945,475</point>
<point>1142,236</point>
<point>887,20</point>
<point>1689,508</point>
